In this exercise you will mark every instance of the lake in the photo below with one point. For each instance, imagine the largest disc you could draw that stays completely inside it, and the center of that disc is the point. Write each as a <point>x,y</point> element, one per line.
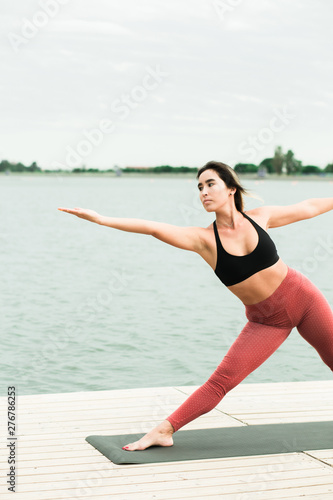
<point>86,307</point>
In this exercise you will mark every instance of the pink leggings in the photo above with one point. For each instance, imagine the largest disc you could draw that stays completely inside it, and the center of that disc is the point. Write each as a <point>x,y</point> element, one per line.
<point>295,303</point>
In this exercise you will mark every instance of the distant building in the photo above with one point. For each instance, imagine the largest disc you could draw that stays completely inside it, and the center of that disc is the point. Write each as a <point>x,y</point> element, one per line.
<point>117,170</point>
<point>262,171</point>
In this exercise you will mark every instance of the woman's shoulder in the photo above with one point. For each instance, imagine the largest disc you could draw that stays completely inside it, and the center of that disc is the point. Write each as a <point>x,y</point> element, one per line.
<point>260,215</point>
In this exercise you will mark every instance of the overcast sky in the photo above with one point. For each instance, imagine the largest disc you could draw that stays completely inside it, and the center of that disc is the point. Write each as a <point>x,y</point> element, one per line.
<point>179,82</point>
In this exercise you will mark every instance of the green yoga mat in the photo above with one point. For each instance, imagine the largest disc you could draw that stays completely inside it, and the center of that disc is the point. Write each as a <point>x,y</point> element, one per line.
<point>221,443</point>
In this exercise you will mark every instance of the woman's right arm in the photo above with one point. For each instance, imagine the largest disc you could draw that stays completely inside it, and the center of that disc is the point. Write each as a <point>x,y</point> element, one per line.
<point>187,238</point>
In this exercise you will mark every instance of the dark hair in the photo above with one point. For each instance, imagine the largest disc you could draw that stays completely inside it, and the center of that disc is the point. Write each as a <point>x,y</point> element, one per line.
<point>229,176</point>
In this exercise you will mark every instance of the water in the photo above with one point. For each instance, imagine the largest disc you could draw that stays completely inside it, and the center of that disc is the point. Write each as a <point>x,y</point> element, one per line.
<point>87,307</point>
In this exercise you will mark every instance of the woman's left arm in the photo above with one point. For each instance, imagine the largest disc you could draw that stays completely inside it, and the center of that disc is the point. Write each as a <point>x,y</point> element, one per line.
<point>320,205</point>
<point>277,216</point>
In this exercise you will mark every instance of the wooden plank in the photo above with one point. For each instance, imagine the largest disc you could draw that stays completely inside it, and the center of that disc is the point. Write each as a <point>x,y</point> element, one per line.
<point>124,484</point>
<point>130,475</point>
<point>189,488</point>
<point>95,395</point>
<point>122,476</point>
<point>153,411</point>
<point>250,390</point>
<point>104,414</point>
<point>92,456</point>
<point>129,401</point>
<point>230,462</point>
<point>263,419</point>
<point>320,453</point>
<point>276,387</point>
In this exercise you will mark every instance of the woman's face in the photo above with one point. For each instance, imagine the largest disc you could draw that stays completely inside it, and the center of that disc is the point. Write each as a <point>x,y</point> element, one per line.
<point>213,191</point>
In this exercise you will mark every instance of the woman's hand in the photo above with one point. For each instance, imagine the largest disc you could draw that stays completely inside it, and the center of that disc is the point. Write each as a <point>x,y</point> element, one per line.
<point>83,213</point>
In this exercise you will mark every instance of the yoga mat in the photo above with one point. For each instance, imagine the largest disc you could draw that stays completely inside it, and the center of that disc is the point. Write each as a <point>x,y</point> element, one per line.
<point>221,443</point>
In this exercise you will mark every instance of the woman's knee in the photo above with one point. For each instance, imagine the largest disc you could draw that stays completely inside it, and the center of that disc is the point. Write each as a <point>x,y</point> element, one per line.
<point>222,380</point>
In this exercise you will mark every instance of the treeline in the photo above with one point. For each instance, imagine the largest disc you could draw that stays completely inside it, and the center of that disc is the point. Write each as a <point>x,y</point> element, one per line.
<point>161,169</point>
<point>6,166</point>
<point>282,163</point>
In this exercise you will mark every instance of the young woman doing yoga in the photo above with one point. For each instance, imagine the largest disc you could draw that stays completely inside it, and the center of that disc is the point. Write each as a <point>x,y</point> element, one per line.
<point>276,297</point>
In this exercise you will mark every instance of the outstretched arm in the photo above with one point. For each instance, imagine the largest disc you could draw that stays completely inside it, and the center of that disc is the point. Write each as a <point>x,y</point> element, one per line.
<point>281,216</point>
<point>320,205</point>
<point>187,238</point>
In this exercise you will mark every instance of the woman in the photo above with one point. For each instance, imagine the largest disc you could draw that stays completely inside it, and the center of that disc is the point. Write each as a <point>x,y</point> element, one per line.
<point>276,297</point>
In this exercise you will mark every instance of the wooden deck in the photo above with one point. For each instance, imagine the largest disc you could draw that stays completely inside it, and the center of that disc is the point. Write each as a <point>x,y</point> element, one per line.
<point>55,462</point>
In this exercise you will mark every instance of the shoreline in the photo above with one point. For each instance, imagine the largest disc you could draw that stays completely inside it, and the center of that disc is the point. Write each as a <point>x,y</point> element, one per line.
<point>169,175</point>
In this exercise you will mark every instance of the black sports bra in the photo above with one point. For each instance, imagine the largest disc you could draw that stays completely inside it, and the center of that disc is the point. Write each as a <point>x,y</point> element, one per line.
<point>232,269</point>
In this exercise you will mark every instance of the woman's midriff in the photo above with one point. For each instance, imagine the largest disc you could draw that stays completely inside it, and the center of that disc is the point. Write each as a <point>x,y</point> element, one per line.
<point>260,285</point>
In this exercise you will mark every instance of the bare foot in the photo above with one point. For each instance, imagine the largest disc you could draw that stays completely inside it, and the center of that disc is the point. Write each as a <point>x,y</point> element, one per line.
<point>159,436</point>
